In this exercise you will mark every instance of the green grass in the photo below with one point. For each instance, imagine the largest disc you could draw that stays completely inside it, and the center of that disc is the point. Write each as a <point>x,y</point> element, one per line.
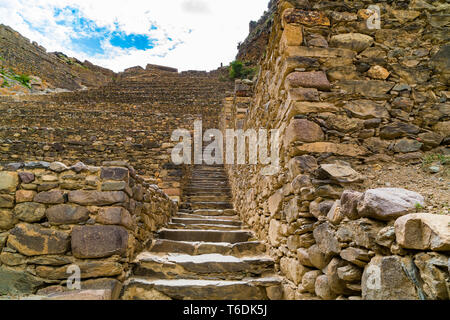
<point>429,159</point>
<point>418,206</point>
<point>238,70</point>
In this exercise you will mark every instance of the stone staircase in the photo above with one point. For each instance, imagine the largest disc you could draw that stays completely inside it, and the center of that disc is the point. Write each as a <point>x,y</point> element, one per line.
<point>205,253</point>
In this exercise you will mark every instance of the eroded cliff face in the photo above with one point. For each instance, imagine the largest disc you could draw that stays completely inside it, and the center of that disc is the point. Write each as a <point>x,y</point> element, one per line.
<point>56,70</point>
<point>348,99</point>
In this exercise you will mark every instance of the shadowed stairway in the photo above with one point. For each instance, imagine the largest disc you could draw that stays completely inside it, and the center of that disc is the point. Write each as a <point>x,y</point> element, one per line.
<point>205,252</point>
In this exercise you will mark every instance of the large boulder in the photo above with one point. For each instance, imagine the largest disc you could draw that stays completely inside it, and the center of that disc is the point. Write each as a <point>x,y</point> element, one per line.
<point>97,198</point>
<point>423,231</point>
<point>90,242</point>
<point>33,240</point>
<point>67,214</point>
<point>340,172</point>
<point>435,274</point>
<point>303,130</point>
<point>354,41</point>
<point>15,282</point>
<point>8,181</point>
<point>30,211</point>
<point>388,203</point>
<point>326,239</point>
<point>390,278</point>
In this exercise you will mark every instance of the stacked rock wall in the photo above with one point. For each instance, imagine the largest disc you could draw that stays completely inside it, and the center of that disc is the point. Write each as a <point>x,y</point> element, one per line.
<point>342,94</point>
<point>53,217</point>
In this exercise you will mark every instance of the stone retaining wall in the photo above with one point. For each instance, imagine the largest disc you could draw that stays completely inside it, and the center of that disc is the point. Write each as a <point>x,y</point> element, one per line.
<point>53,216</point>
<point>342,94</point>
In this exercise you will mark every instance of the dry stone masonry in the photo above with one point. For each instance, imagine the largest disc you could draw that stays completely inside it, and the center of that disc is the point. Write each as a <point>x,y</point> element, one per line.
<point>53,216</point>
<point>344,95</point>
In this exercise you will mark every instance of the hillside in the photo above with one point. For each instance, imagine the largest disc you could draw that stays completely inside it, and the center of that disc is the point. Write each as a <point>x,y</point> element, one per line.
<point>56,70</point>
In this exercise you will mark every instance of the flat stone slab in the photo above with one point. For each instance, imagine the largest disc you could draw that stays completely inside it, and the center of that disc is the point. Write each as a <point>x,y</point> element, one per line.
<point>198,216</point>
<point>206,221</point>
<point>249,248</point>
<point>206,235</point>
<point>202,226</point>
<point>183,289</point>
<point>217,266</point>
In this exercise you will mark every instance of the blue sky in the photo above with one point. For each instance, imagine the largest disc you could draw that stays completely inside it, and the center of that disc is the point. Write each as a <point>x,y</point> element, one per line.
<point>187,34</point>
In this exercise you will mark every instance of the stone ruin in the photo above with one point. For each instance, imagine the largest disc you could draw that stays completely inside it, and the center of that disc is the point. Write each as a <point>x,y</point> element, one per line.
<point>343,95</point>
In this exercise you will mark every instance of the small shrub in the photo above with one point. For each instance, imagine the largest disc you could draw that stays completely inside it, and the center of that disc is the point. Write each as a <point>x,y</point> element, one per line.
<point>236,69</point>
<point>23,79</point>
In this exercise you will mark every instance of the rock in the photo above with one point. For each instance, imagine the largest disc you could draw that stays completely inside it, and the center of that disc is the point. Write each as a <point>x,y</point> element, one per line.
<point>81,295</point>
<point>305,17</point>
<point>115,215</point>
<point>33,240</point>
<point>89,269</point>
<point>388,203</point>
<point>6,201</point>
<point>58,167</point>
<point>97,198</point>
<point>378,72</point>
<point>7,219</point>
<point>334,215</point>
<point>303,130</point>
<point>302,165</point>
<point>341,172</point>
<point>357,256</point>
<point>292,269</point>
<point>26,177</point>
<point>12,259</point>
<point>275,201</point>
<point>66,214</point>
<point>309,280</point>
<point>366,88</point>
<point>18,282</point>
<point>440,62</point>
<point>349,204</point>
<point>325,238</point>
<point>292,210</point>
<point>390,278</point>
<point>431,139</point>
<point>318,258</point>
<point>337,285</point>
<point>114,186</point>
<point>303,257</point>
<point>112,173</point>
<point>322,288</point>
<point>434,273</point>
<point>354,41</point>
<point>349,273</point>
<point>30,212</point>
<point>98,241</point>
<point>50,197</point>
<point>366,109</point>
<point>37,165</point>
<point>8,181</point>
<point>423,231</point>
<point>349,150</point>
<point>303,94</point>
<point>25,196</point>
<point>407,145</point>
<point>398,130</point>
<point>362,232</point>
<point>275,232</point>
<point>313,79</point>
<point>386,237</point>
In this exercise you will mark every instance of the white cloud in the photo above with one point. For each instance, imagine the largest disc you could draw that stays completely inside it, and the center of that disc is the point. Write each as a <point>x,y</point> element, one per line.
<point>207,32</point>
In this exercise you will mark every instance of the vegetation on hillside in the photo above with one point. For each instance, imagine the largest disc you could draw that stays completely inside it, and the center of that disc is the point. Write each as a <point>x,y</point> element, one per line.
<point>238,70</point>
<point>9,76</point>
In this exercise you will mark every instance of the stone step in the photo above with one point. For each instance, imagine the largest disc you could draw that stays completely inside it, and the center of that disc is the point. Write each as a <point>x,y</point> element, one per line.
<point>206,266</point>
<point>180,226</point>
<point>214,212</point>
<point>248,248</point>
<point>211,221</point>
<point>208,198</point>
<point>206,235</point>
<point>190,215</point>
<point>211,205</point>
<point>186,289</point>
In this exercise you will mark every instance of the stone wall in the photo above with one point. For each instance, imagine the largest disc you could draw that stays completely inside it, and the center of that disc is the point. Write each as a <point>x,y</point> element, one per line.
<point>53,216</point>
<point>344,95</point>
